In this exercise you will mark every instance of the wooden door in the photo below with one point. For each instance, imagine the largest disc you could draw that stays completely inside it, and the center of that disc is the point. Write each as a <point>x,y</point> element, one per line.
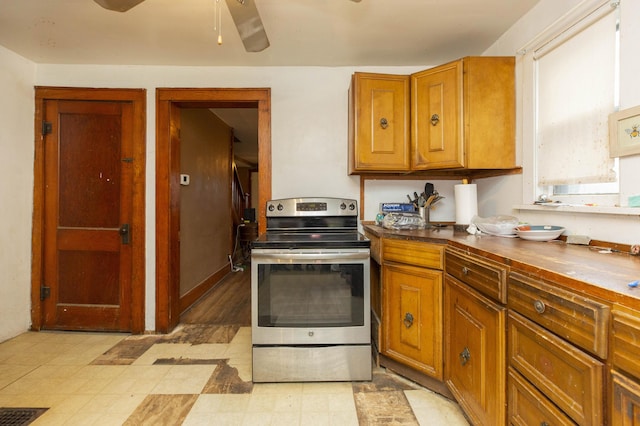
<point>88,175</point>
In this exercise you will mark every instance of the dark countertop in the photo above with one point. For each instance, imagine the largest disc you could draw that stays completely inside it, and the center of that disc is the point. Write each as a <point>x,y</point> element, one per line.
<point>574,266</point>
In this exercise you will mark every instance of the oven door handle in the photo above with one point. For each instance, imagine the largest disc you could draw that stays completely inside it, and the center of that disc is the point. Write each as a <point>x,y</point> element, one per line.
<point>306,257</point>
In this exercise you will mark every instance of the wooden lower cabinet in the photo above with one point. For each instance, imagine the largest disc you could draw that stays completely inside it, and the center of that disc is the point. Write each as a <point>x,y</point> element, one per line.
<point>626,401</point>
<point>570,378</point>
<point>412,317</point>
<point>475,366</point>
<point>625,379</point>
<point>528,406</point>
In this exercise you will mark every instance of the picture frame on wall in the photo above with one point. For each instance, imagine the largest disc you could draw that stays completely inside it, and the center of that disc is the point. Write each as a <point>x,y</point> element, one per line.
<point>624,132</point>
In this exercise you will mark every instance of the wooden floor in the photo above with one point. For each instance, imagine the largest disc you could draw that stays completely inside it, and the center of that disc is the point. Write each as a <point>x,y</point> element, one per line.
<point>228,302</point>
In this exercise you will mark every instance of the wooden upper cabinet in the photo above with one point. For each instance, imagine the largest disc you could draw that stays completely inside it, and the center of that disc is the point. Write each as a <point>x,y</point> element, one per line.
<point>463,115</point>
<point>460,115</point>
<point>378,123</point>
<point>436,118</point>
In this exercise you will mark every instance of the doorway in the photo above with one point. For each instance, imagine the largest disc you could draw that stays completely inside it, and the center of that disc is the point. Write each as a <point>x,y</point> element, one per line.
<point>168,104</point>
<point>88,223</point>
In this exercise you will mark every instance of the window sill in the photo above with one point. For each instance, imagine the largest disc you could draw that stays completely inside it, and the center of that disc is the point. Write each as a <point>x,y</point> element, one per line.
<point>574,208</point>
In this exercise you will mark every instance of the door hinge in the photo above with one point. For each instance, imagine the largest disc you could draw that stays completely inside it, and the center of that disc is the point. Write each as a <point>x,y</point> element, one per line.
<point>45,292</point>
<point>47,128</point>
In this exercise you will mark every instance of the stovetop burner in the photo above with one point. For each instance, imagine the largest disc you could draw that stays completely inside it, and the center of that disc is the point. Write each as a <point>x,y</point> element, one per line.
<point>310,240</point>
<point>312,223</point>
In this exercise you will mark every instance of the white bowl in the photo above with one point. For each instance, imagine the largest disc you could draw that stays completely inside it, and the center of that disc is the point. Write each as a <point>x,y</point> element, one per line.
<point>497,225</point>
<point>539,232</point>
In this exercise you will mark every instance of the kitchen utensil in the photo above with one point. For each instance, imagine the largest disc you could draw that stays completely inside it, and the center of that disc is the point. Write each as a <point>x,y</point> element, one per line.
<point>428,189</point>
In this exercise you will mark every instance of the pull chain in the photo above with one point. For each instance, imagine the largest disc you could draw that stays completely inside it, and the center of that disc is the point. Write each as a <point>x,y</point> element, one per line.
<point>218,21</point>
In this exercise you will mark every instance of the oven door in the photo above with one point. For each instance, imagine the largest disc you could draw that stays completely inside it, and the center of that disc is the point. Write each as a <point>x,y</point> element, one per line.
<point>310,296</point>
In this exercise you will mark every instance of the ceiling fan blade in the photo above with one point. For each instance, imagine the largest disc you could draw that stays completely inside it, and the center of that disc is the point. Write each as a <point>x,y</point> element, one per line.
<point>118,5</point>
<point>247,19</point>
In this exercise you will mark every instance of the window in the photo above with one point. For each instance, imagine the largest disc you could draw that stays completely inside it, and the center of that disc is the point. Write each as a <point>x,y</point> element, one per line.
<point>573,73</point>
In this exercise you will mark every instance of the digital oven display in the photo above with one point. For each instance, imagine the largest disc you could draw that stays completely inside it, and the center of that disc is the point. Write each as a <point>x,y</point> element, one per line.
<point>311,207</point>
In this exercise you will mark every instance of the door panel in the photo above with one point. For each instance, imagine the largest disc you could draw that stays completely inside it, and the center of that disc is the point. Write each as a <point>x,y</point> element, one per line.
<point>88,198</point>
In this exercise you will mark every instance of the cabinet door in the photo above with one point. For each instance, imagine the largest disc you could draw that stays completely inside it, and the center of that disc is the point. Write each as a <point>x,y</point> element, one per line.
<point>475,366</point>
<point>436,114</point>
<point>378,123</point>
<point>413,317</point>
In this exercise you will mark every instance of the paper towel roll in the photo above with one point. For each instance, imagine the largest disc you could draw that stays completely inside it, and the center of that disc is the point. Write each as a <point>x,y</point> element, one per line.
<point>466,197</point>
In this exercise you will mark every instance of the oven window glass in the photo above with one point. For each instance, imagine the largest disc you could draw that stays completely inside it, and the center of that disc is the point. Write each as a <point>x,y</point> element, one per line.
<point>310,295</point>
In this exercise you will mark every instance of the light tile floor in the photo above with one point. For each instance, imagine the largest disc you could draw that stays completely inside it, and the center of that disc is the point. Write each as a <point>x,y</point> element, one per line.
<point>73,376</point>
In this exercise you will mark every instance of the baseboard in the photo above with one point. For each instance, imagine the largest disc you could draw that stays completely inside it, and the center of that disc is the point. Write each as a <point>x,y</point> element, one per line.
<point>192,296</point>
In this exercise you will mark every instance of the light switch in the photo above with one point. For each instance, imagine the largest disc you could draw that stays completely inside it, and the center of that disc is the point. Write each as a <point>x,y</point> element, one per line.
<point>184,180</point>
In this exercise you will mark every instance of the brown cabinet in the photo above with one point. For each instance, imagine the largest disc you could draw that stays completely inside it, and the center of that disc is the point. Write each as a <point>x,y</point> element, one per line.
<point>521,344</point>
<point>625,376</point>
<point>412,305</point>
<point>461,116</point>
<point>475,353</point>
<point>378,123</point>
<point>475,322</point>
<point>567,376</point>
<point>528,406</point>
<point>626,401</point>
<point>557,341</point>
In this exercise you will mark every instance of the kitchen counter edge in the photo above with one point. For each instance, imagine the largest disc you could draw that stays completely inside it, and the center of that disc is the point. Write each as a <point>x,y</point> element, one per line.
<point>578,267</point>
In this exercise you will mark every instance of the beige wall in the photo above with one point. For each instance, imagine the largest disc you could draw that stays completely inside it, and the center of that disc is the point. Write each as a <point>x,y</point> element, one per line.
<point>205,218</point>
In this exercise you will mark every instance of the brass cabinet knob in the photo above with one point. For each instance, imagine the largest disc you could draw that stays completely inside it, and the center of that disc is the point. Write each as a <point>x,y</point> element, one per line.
<point>465,355</point>
<point>539,306</point>
<point>384,123</point>
<point>408,320</point>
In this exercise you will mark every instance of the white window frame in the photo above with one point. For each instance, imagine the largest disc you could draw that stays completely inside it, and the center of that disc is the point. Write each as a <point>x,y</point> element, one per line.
<point>561,28</point>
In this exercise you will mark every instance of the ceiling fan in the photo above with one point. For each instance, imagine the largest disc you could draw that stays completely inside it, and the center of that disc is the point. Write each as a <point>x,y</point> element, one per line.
<point>244,13</point>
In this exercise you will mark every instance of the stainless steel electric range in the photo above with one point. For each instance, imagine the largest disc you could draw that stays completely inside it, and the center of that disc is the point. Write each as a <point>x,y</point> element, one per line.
<point>310,293</point>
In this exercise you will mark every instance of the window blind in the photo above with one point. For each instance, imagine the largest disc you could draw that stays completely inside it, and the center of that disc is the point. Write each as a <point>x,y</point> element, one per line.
<point>575,77</point>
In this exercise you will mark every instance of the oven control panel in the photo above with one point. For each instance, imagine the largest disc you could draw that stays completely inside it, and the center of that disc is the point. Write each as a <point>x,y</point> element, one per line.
<point>290,207</point>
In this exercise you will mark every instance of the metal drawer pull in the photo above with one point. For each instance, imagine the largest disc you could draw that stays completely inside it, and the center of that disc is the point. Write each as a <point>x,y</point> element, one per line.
<point>465,355</point>
<point>465,270</point>
<point>544,424</point>
<point>539,306</point>
<point>384,123</point>
<point>408,320</point>
<point>435,118</point>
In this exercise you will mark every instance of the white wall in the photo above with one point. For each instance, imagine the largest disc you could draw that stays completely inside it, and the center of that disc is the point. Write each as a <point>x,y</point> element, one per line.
<point>499,195</point>
<point>17,77</point>
<point>308,125</point>
<point>309,152</point>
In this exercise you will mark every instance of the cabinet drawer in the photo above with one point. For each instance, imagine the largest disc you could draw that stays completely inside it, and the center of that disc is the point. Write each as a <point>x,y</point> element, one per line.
<point>527,406</point>
<point>626,400</point>
<point>489,278</point>
<point>580,320</point>
<point>570,378</point>
<point>416,253</point>
<point>625,340</point>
